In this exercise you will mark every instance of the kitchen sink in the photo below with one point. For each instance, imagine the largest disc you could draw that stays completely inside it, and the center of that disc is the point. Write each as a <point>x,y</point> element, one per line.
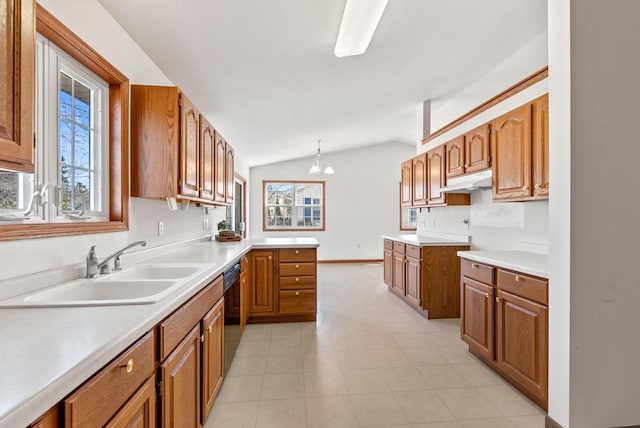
<point>157,272</point>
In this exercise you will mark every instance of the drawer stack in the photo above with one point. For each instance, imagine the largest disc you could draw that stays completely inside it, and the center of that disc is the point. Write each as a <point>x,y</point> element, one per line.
<point>297,281</point>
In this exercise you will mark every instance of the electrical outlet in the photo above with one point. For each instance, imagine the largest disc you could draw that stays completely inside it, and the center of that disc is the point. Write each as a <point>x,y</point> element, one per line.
<point>205,223</point>
<point>465,222</point>
<point>160,228</point>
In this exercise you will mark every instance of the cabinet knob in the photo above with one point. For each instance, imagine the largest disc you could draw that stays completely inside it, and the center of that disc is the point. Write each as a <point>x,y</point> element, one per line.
<point>525,187</point>
<point>269,257</point>
<point>537,186</point>
<point>474,266</point>
<point>297,279</point>
<point>128,366</point>
<point>202,338</point>
<point>486,295</point>
<point>497,300</point>
<point>297,293</point>
<point>209,328</point>
<point>297,266</point>
<point>517,278</point>
<point>466,165</point>
<point>297,252</point>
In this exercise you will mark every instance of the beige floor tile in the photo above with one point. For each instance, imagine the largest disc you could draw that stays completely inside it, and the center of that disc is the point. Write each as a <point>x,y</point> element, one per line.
<point>291,344</point>
<point>531,421</point>
<point>375,410</point>
<point>456,354</point>
<point>248,365</point>
<point>289,413</point>
<point>284,363</point>
<point>443,376</point>
<point>404,379</point>
<point>391,358</point>
<point>356,360</point>
<point>233,415</point>
<point>365,381</point>
<point>509,401</point>
<point>283,331</point>
<point>468,403</point>
<point>451,424</point>
<point>277,386</point>
<point>348,343</point>
<point>319,363</point>
<point>257,332</point>
<point>478,374</point>
<point>378,342</point>
<point>410,340</point>
<point>324,383</point>
<point>317,344</point>
<point>423,406</point>
<point>333,412</point>
<point>240,388</point>
<point>424,356</point>
<point>488,423</point>
<point>253,347</point>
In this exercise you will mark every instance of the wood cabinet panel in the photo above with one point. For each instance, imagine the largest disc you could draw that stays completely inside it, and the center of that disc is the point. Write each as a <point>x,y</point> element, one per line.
<point>297,269</point>
<point>17,64</point>
<point>229,166</point>
<point>524,286</point>
<point>297,301</point>
<point>244,292</point>
<point>436,175</point>
<point>297,255</point>
<point>413,291</point>
<point>140,410</point>
<point>455,156</point>
<point>51,419</point>
<point>399,248</point>
<point>189,148</point>
<point>94,403</point>
<point>220,173</point>
<point>419,180</point>
<point>297,283</point>
<point>477,271</point>
<point>388,244</point>
<point>511,154</point>
<point>388,267</point>
<point>441,281</point>
<point>477,317</point>
<point>406,193</point>
<point>398,273</point>
<point>522,343</point>
<point>207,159</point>
<point>212,356</point>
<point>180,380</point>
<point>541,147</point>
<point>476,149</point>
<point>261,289</point>
<point>413,251</point>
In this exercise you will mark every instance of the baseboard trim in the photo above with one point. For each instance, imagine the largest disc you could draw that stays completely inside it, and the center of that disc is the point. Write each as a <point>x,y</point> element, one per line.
<point>550,423</point>
<point>352,261</point>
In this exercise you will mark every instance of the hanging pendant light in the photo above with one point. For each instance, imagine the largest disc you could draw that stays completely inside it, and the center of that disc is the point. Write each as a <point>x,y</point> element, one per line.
<point>316,168</point>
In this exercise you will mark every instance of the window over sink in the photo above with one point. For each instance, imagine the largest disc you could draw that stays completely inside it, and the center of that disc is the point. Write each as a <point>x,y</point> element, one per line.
<point>293,205</point>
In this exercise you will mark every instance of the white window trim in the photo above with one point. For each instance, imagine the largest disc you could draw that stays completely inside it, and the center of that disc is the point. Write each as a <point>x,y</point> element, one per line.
<point>293,206</point>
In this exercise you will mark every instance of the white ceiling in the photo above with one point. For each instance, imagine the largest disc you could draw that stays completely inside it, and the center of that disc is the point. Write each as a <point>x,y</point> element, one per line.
<point>264,73</point>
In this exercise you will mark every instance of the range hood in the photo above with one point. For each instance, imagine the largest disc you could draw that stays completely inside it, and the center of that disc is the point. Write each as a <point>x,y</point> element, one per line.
<point>469,182</point>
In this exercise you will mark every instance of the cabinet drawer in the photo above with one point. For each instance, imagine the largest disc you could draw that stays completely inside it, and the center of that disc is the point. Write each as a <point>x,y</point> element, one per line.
<point>298,283</point>
<point>176,326</point>
<point>297,254</point>
<point>388,244</point>
<point>413,251</point>
<point>477,271</point>
<point>524,286</point>
<point>398,247</point>
<point>297,269</point>
<point>296,302</point>
<point>99,399</point>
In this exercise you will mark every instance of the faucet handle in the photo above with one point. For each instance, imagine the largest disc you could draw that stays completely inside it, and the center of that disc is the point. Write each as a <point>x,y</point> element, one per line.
<point>104,269</point>
<point>116,263</point>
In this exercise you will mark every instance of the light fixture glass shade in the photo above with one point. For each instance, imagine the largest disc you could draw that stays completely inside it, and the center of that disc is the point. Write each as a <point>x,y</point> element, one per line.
<point>329,170</point>
<point>315,169</point>
<point>317,166</point>
<point>359,21</point>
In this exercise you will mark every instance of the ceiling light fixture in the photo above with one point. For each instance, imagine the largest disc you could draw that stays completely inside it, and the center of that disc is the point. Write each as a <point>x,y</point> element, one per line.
<point>316,168</point>
<point>359,22</point>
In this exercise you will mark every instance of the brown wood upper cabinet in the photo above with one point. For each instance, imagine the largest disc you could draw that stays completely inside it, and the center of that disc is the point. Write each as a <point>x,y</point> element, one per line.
<point>419,179</point>
<point>476,149</point>
<point>455,157</point>
<point>17,63</point>
<point>406,193</point>
<point>220,175</point>
<point>541,147</point>
<point>207,157</point>
<point>229,173</point>
<point>437,178</point>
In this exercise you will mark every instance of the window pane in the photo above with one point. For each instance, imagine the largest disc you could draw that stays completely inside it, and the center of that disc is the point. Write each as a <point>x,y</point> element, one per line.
<point>293,205</point>
<point>82,147</point>
<point>279,194</point>
<point>82,104</point>
<point>66,88</point>
<point>8,189</point>
<point>81,191</point>
<point>65,142</point>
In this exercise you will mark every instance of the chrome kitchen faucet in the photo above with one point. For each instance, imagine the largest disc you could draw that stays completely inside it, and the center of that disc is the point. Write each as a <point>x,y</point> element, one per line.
<point>93,267</point>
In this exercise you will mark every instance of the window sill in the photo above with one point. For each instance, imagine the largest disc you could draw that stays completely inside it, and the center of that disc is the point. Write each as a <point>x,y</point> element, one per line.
<point>10,231</point>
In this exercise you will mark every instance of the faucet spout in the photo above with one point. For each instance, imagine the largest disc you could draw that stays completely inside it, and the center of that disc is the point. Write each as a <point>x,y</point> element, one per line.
<point>103,267</point>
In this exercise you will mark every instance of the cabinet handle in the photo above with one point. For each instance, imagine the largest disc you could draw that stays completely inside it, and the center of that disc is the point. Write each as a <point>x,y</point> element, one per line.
<point>537,186</point>
<point>497,300</point>
<point>486,295</point>
<point>297,293</point>
<point>269,257</point>
<point>297,279</point>
<point>517,278</point>
<point>202,338</point>
<point>209,328</point>
<point>128,366</point>
<point>297,252</point>
<point>525,187</point>
<point>297,266</point>
<point>474,266</point>
<point>466,165</point>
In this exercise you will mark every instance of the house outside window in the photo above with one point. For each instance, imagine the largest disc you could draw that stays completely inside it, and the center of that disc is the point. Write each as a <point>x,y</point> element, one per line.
<point>293,205</point>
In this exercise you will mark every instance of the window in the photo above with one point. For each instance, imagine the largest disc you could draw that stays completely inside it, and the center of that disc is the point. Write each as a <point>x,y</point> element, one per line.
<point>293,205</point>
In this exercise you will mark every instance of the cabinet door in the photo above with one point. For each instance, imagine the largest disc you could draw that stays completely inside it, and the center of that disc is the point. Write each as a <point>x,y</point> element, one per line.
<point>419,179</point>
<point>244,292</point>
<point>436,175</point>
<point>521,340</point>
<point>511,154</point>
<point>212,356</point>
<point>541,147</point>
<point>476,149</point>
<point>455,157</point>
<point>405,183</point>
<point>51,419</point>
<point>189,148</point>
<point>261,284</point>
<point>17,63</point>
<point>220,154</point>
<point>388,267</point>
<point>180,377</point>
<point>414,283</point>
<point>230,179</point>
<point>398,273</point>
<point>207,159</point>
<point>140,410</point>
<point>476,317</point>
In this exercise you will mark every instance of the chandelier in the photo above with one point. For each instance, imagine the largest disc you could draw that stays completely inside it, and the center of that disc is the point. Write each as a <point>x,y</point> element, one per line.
<point>317,167</point>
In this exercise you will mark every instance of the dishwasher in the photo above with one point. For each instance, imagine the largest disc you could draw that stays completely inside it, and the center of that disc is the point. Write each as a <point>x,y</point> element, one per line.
<point>231,278</point>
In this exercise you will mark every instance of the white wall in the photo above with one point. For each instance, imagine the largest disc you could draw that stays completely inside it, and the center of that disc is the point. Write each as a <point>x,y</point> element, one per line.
<point>89,20</point>
<point>362,199</point>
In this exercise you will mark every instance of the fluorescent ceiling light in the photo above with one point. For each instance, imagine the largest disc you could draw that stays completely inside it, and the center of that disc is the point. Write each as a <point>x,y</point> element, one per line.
<point>359,22</point>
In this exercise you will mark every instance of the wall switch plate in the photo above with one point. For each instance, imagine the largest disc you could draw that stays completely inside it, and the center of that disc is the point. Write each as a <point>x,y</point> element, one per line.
<point>160,228</point>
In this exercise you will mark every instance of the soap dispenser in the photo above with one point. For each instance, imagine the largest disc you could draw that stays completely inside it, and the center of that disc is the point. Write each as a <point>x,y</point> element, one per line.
<point>92,263</point>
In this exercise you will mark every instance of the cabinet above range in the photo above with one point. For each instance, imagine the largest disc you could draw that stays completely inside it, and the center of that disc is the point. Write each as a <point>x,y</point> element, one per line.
<point>175,151</point>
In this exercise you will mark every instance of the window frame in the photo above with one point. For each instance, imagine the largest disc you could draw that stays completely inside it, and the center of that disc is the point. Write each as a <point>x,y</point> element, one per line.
<point>118,144</point>
<point>265,228</point>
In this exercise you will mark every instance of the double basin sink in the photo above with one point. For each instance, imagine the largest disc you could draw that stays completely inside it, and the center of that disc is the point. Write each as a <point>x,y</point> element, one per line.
<point>142,284</point>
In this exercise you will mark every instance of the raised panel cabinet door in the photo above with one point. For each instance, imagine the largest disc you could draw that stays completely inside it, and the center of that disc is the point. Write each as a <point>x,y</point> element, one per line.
<point>419,179</point>
<point>212,356</point>
<point>207,159</point>
<point>455,157</point>
<point>17,63</point>
<point>436,176</point>
<point>522,341</point>
<point>220,186</point>
<point>541,147</point>
<point>414,283</point>
<point>388,267</point>
<point>230,180</point>
<point>140,410</point>
<point>399,273</point>
<point>476,149</point>
<point>261,286</point>
<point>244,301</point>
<point>51,419</point>
<point>511,154</point>
<point>476,317</point>
<point>189,148</point>
<point>180,377</point>
<point>406,197</point>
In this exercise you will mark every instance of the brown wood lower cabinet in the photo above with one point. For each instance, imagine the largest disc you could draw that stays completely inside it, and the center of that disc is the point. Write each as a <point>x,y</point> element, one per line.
<point>140,410</point>
<point>505,322</point>
<point>212,356</point>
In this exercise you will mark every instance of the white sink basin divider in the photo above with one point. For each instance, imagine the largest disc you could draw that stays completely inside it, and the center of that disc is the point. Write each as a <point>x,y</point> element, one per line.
<point>142,284</point>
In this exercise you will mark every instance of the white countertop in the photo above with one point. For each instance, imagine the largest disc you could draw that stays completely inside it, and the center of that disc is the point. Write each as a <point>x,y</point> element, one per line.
<point>432,239</point>
<point>48,352</point>
<point>520,261</point>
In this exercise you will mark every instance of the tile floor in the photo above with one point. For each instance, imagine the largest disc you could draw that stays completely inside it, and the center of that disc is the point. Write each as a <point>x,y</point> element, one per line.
<point>368,361</point>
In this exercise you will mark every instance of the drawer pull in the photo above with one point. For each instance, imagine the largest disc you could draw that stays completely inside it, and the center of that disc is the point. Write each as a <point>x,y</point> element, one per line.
<point>475,266</point>
<point>209,328</point>
<point>128,366</point>
<point>297,252</point>
<point>497,300</point>
<point>525,187</point>
<point>297,293</point>
<point>297,279</point>
<point>486,295</point>
<point>202,338</point>
<point>517,278</point>
<point>269,257</point>
<point>537,186</point>
<point>466,165</point>
<point>297,266</point>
